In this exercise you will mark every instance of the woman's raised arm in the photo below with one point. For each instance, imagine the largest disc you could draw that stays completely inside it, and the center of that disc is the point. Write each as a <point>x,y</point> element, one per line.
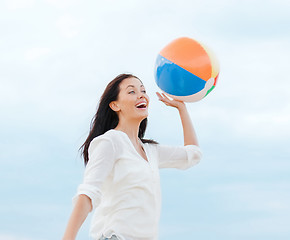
<point>189,134</point>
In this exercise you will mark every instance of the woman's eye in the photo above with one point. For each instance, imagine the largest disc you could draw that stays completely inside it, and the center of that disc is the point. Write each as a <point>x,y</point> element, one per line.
<point>131,92</point>
<point>144,91</point>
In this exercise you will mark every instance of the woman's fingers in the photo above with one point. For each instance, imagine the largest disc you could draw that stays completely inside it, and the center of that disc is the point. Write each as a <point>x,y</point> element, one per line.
<point>163,98</point>
<point>159,95</point>
<point>169,102</point>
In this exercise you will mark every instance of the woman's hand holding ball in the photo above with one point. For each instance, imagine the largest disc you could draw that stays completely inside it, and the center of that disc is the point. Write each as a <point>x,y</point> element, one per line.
<point>170,102</point>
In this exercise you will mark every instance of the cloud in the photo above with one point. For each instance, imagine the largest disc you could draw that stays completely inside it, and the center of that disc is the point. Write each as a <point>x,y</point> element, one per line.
<point>18,4</point>
<point>36,53</point>
<point>62,3</point>
<point>68,26</point>
<point>270,197</point>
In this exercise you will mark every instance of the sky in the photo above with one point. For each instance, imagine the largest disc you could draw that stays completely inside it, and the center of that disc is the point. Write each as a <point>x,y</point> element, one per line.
<point>57,57</point>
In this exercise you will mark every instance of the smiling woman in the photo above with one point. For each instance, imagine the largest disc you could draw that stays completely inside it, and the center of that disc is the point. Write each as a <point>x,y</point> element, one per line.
<point>113,109</point>
<point>121,180</point>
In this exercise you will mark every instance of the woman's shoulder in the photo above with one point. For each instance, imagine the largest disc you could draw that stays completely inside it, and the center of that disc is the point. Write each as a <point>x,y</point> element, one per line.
<point>115,135</point>
<point>112,135</point>
<point>107,140</point>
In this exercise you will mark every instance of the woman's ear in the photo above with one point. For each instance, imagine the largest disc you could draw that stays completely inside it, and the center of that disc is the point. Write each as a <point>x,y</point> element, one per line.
<point>114,106</point>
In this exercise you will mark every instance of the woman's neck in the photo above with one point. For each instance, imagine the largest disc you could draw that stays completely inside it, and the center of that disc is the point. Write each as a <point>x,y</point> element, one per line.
<point>131,129</point>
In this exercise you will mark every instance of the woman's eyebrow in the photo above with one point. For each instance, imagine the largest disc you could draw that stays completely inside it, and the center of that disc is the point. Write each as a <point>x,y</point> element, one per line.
<point>134,86</point>
<point>130,86</point>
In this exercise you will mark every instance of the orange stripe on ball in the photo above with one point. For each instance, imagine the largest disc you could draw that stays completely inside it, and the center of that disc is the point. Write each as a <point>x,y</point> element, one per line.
<point>190,55</point>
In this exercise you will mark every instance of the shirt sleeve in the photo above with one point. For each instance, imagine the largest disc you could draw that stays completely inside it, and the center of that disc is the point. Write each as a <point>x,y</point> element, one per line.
<point>101,161</point>
<point>180,157</point>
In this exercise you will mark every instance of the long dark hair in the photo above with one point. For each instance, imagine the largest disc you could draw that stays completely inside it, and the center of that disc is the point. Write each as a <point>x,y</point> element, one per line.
<point>106,119</point>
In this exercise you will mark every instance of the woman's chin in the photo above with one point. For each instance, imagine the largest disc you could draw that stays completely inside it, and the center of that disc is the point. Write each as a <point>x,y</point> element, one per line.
<point>143,116</point>
<point>142,112</point>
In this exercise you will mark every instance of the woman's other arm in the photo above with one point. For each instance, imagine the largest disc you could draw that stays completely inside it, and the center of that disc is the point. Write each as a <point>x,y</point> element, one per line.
<point>189,134</point>
<point>88,197</point>
<point>80,212</point>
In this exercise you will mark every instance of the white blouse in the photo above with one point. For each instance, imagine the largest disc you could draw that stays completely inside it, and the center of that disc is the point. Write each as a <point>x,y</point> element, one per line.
<point>125,188</point>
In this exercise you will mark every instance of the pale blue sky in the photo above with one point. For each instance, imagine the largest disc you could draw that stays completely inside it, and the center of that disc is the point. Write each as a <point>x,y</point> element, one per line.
<point>58,55</point>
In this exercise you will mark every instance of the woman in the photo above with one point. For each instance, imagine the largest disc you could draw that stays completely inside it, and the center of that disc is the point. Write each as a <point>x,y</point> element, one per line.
<point>121,179</point>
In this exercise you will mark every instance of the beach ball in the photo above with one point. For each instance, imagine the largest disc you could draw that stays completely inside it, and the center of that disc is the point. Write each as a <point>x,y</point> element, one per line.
<point>186,70</point>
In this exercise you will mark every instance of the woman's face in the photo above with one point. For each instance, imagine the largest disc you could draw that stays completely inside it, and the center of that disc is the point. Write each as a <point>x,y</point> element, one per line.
<point>132,102</point>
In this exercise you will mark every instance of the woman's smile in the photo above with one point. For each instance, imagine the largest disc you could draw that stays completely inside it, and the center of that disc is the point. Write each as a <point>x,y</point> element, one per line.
<point>142,105</point>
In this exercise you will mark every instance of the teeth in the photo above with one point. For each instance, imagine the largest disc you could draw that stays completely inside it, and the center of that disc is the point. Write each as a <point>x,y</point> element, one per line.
<point>141,105</point>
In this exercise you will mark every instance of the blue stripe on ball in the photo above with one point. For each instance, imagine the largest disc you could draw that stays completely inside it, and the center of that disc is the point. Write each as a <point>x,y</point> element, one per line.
<point>175,80</point>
